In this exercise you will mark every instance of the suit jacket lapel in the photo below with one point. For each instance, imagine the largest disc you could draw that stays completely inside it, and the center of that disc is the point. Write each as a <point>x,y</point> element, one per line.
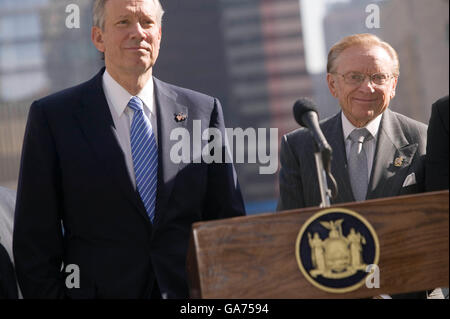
<point>335,138</point>
<point>167,108</point>
<point>97,124</point>
<point>391,145</point>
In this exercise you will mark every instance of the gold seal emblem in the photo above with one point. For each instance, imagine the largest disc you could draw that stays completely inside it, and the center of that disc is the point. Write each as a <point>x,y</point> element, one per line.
<point>398,161</point>
<point>180,117</point>
<point>334,248</point>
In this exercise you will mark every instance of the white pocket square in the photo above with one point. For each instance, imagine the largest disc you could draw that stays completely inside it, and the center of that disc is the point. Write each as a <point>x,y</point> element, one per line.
<point>410,180</point>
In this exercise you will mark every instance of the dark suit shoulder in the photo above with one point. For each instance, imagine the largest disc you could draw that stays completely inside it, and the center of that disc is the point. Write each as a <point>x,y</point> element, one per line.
<point>442,103</point>
<point>184,91</point>
<point>297,134</point>
<point>413,130</point>
<point>302,135</point>
<point>298,140</point>
<point>183,95</point>
<point>197,103</point>
<point>440,112</point>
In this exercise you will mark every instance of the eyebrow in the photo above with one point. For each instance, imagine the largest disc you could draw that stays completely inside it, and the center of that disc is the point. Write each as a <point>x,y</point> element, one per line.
<point>122,16</point>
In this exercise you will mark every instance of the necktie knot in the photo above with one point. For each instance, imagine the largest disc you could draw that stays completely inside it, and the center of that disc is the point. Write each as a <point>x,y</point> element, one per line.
<point>135,104</point>
<point>360,135</point>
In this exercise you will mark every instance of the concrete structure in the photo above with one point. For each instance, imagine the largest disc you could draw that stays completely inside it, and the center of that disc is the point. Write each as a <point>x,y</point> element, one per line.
<point>419,31</point>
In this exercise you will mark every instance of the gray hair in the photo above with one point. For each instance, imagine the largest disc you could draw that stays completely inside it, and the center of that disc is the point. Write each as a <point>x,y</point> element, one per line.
<point>98,13</point>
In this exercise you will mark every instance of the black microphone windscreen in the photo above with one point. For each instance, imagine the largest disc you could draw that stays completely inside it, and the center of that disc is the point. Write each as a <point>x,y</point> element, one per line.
<point>301,107</point>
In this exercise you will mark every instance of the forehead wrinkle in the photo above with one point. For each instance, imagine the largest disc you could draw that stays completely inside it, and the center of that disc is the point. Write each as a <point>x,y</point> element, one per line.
<point>365,60</point>
<point>137,8</point>
<point>142,7</point>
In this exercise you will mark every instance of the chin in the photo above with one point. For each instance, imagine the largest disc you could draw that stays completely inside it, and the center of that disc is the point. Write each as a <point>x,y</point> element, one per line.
<point>366,118</point>
<point>361,117</point>
<point>140,64</point>
<point>364,112</point>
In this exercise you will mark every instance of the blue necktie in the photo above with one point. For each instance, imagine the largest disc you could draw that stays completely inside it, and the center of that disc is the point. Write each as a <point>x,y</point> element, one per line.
<point>145,156</point>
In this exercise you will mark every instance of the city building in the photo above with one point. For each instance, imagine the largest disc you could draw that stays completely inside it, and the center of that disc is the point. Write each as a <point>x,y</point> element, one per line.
<point>39,55</point>
<point>247,53</point>
<point>419,31</point>
<point>267,74</point>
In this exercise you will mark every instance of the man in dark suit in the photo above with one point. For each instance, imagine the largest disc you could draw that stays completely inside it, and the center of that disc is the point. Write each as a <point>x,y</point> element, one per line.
<point>387,159</point>
<point>436,169</point>
<point>97,159</point>
<point>436,163</point>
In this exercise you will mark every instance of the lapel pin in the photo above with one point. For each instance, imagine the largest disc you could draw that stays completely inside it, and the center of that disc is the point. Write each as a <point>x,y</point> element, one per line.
<point>398,161</point>
<point>180,117</point>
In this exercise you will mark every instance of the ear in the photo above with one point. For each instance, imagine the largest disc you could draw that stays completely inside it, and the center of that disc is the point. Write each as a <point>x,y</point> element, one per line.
<point>97,38</point>
<point>331,80</point>
<point>394,86</point>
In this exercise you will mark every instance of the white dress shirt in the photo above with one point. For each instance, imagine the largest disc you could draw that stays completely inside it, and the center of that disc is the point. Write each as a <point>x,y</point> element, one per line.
<point>369,146</point>
<point>118,98</point>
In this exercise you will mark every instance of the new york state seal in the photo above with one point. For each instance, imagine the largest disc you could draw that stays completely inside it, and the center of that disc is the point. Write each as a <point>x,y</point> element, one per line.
<point>334,248</point>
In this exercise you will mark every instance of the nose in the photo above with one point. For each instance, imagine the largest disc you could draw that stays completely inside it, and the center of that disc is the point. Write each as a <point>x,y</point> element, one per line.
<point>367,85</point>
<point>137,32</point>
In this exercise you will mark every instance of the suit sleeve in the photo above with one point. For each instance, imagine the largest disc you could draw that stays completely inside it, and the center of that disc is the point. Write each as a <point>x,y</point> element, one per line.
<point>291,189</point>
<point>37,239</point>
<point>436,163</point>
<point>223,198</point>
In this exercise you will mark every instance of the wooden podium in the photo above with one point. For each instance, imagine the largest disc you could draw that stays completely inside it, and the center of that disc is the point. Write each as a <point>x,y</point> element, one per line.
<point>254,256</point>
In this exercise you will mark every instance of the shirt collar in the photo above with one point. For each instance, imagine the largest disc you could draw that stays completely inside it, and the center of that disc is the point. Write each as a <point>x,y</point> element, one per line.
<point>119,97</point>
<point>372,126</point>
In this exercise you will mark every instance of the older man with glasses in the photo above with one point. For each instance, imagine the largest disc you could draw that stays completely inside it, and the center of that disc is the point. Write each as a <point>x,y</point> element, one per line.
<point>376,152</point>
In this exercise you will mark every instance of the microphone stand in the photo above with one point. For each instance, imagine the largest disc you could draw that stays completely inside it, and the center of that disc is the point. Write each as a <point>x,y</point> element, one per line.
<point>323,160</point>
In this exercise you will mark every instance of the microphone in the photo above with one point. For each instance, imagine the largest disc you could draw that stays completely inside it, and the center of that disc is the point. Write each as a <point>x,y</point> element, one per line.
<point>305,114</point>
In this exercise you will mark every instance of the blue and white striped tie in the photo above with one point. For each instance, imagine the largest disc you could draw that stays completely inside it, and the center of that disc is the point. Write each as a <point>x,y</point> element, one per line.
<point>145,156</point>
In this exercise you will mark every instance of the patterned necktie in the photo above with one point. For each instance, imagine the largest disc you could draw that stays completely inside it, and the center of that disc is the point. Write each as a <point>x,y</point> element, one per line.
<point>145,156</point>
<point>357,163</point>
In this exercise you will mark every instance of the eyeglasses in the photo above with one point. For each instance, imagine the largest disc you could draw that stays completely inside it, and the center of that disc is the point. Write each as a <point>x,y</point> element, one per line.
<point>357,78</point>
